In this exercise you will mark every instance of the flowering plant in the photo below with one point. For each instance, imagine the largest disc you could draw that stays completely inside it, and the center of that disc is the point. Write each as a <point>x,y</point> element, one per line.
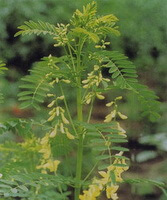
<point>84,41</point>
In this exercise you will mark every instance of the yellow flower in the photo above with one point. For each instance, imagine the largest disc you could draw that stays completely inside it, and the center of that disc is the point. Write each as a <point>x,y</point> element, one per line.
<point>110,116</point>
<point>60,98</point>
<point>45,140</point>
<point>122,131</point>
<point>51,104</point>
<point>52,117</point>
<point>109,104</point>
<point>105,179</point>
<point>118,98</point>
<point>96,67</point>
<point>50,95</point>
<point>85,81</point>
<point>99,96</point>
<point>57,111</point>
<point>65,121</point>
<point>122,116</point>
<point>46,152</point>
<point>62,127</point>
<point>90,194</point>
<point>51,165</point>
<point>111,192</point>
<point>54,132</point>
<point>66,81</point>
<point>69,135</point>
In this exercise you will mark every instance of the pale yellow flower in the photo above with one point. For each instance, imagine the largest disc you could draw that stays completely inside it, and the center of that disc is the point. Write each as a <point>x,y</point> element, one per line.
<point>122,131</point>
<point>54,132</point>
<point>51,104</point>
<point>52,117</point>
<point>69,135</point>
<point>118,98</point>
<point>62,128</point>
<point>122,116</point>
<point>66,81</point>
<point>57,111</point>
<point>99,96</point>
<point>109,104</point>
<point>61,97</point>
<point>65,121</point>
<point>111,192</point>
<point>91,194</point>
<point>110,116</point>
<point>50,95</point>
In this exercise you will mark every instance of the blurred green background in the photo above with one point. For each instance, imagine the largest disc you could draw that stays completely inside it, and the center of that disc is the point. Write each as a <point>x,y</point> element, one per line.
<point>143,39</point>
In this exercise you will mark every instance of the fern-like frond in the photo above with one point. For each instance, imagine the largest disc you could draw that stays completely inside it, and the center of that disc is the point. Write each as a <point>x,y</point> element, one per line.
<point>156,183</point>
<point>105,30</point>
<point>41,79</point>
<point>92,36</point>
<point>2,68</point>
<point>24,186</point>
<point>31,27</point>
<point>83,18</point>
<point>148,100</point>
<point>36,85</point>
<point>107,19</point>
<point>104,138</point>
<point>124,75</point>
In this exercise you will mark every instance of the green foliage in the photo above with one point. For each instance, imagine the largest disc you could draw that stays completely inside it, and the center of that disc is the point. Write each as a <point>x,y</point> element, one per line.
<point>124,76</point>
<point>81,71</point>
<point>158,184</point>
<point>37,28</point>
<point>21,186</point>
<point>36,85</point>
<point>2,68</point>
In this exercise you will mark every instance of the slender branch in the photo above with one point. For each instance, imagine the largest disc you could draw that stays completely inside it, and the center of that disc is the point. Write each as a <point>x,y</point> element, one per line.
<point>90,111</point>
<point>72,59</point>
<point>68,112</point>
<point>80,131</point>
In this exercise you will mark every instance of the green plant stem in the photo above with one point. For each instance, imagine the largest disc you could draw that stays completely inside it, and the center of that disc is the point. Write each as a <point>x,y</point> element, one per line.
<point>80,133</point>
<point>90,111</point>
<point>68,112</point>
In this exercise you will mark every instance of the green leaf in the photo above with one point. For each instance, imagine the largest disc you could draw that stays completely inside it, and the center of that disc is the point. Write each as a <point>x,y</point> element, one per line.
<point>101,148</point>
<point>23,187</point>
<point>102,167</point>
<point>94,37</point>
<point>118,136</point>
<point>31,27</point>
<point>113,178</point>
<point>120,165</point>
<point>115,74</point>
<point>112,69</point>
<point>103,157</point>
<point>118,140</point>
<point>119,148</point>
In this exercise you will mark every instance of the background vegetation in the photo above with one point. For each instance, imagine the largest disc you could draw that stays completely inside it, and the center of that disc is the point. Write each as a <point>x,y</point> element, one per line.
<point>143,39</point>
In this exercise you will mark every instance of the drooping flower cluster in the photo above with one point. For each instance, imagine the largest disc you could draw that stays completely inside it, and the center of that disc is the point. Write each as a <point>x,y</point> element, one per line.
<point>47,163</point>
<point>93,80</point>
<point>59,113</point>
<point>106,183</point>
<point>114,112</point>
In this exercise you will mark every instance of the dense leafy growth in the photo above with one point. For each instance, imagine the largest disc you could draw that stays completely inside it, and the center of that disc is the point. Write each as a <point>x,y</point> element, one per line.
<point>63,135</point>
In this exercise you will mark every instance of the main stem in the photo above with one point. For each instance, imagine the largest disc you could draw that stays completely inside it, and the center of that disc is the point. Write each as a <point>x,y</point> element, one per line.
<point>80,133</point>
